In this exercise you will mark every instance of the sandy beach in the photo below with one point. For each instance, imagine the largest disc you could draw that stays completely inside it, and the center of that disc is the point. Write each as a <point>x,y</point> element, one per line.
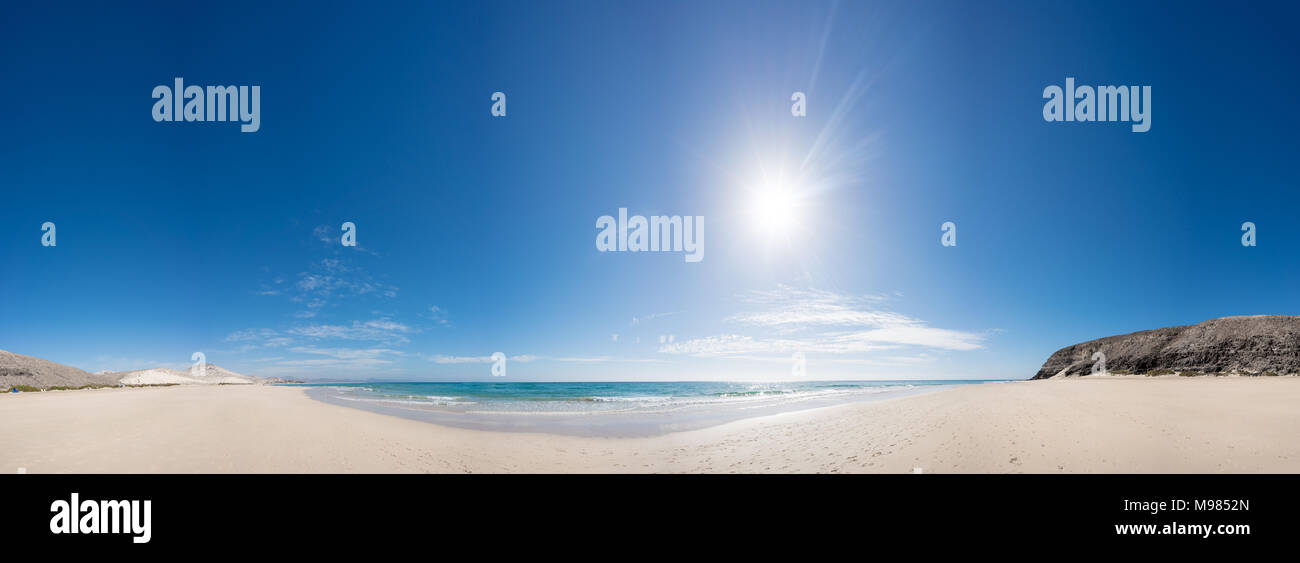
<point>1085,425</point>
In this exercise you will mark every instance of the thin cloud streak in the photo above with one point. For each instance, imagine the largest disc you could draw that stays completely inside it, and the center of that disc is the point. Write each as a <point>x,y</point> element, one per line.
<point>823,322</point>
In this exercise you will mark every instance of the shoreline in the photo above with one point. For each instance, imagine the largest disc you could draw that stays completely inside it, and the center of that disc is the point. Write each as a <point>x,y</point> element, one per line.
<point>1087,425</point>
<point>629,423</point>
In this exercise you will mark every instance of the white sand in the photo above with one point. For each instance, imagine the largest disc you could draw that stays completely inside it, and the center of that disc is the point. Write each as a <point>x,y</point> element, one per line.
<point>212,375</point>
<point>1106,424</point>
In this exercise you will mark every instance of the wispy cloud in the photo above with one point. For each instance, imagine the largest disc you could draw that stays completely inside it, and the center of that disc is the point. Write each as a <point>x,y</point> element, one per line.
<point>259,337</point>
<point>333,278</point>
<point>307,355</point>
<point>440,359</point>
<point>351,354</point>
<point>316,361</point>
<point>525,358</point>
<point>638,320</point>
<point>325,235</point>
<point>438,315</point>
<point>599,360</point>
<point>790,319</point>
<point>378,330</point>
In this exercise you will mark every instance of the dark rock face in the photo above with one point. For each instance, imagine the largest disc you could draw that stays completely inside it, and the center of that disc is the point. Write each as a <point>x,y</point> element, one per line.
<point>1245,345</point>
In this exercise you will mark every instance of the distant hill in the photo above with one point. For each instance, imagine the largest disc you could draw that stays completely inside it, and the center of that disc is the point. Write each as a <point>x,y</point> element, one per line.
<point>1254,345</point>
<point>19,370</point>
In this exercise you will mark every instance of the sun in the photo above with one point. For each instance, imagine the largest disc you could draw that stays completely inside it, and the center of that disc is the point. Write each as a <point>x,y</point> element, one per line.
<point>775,210</point>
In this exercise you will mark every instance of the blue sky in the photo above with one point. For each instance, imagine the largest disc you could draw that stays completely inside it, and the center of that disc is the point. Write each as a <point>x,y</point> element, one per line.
<point>476,234</point>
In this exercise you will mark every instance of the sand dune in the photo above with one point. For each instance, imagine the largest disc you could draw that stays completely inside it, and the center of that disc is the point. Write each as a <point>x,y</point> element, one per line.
<point>1104,424</point>
<point>213,375</point>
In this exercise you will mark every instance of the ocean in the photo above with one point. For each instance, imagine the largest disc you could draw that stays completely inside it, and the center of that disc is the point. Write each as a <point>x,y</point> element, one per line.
<point>623,409</point>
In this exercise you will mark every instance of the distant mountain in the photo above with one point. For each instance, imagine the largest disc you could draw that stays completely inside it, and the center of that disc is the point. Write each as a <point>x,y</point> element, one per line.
<point>18,370</point>
<point>1254,345</point>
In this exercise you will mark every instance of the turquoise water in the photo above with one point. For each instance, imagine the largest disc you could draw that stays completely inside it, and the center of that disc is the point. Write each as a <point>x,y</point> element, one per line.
<point>608,409</point>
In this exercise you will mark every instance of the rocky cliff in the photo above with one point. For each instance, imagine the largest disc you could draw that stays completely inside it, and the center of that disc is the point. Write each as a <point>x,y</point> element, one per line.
<point>17,370</point>
<point>1255,345</point>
